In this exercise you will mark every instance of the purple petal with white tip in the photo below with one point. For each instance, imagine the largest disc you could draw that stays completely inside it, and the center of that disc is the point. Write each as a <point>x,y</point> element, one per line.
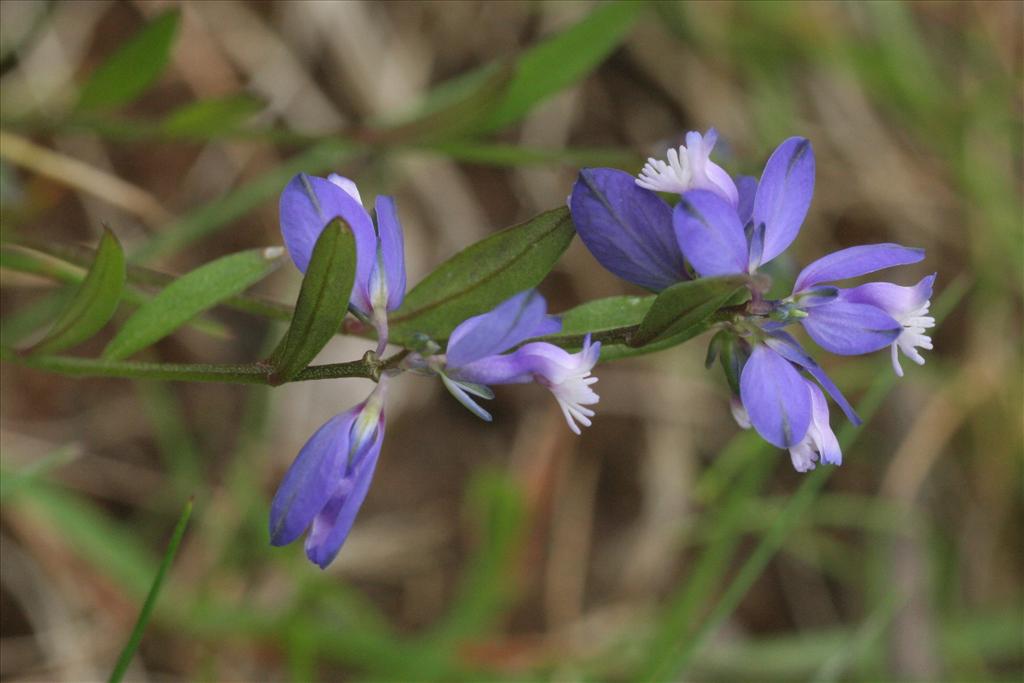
<point>850,329</point>
<point>307,205</point>
<point>854,262</point>
<point>788,347</point>
<point>312,479</point>
<point>332,525</point>
<point>776,398</point>
<point>392,250</point>
<point>628,229</point>
<point>710,234</point>
<point>511,322</point>
<point>784,195</point>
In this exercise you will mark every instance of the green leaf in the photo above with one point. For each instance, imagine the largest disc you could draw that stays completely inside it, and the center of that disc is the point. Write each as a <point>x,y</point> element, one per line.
<point>133,67</point>
<point>561,61</point>
<point>684,306</point>
<point>190,295</point>
<point>540,72</point>
<point>323,301</point>
<point>147,607</point>
<point>605,314</point>
<point>483,275</point>
<point>94,302</point>
<point>209,117</point>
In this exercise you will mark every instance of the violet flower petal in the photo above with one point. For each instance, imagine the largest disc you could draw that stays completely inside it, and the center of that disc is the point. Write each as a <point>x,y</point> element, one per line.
<point>710,234</point>
<point>746,186</point>
<point>788,347</point>
<point>850,329</point>
<point>392,250</point>
<point>628,229</point>
<point>511,322</point>
<point>312,479</point>
<point>892,298</point>
<point>332,525</point>
<point>307,205</point>
<point>776,397</point>
<point>854,262</point>
<point>784,195</point>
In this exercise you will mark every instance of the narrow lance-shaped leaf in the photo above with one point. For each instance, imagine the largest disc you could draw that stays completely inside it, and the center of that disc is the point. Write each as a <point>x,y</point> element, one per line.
<point>133,67</point>
<point>483,275</point>
<point>540,72</point>
<point>94,302</point>
<point>190,295</point>
<point>609,315</point>
<point>684,306</point>
<point>206,117</point>
<point>323,301</point>
<point>121,666</point>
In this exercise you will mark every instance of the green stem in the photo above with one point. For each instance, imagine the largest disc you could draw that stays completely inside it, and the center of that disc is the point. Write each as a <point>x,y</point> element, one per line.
<point>250,373</point>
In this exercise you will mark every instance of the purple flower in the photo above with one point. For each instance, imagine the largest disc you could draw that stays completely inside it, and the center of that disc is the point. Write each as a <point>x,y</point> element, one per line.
<point>864,319</point>
<point>326,485</point>
<point>476,358</point>
<point>689,168</point>
<point>908,306</point>
<point>309,203</point>
<point>719,237</point>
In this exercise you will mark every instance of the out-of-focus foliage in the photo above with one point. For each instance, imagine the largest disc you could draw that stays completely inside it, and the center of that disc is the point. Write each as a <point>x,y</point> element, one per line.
<point>664,544</point>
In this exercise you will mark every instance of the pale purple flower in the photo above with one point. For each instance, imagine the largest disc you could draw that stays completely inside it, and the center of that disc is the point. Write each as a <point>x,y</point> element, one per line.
<point>476,358</point>
<point>309,203</point>
<point>908,306</point>
<point>863,319</point>
<point>722,238</point>
<point>689,168</point>
<point>328,482</point>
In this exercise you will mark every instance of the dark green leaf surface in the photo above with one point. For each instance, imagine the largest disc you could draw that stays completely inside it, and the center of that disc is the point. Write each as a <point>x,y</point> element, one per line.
<point>133,67</point>
<point>94,302</point>
<point>207,117</point>
<point>323,301</point>
<point>190,295</point>
<point>483,275</point>
<point>685,305</point>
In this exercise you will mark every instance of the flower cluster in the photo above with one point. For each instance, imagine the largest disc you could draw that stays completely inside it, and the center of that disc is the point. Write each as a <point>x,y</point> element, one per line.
<point>718,227</point>
<point>324,488</point>
<point>724,227</point>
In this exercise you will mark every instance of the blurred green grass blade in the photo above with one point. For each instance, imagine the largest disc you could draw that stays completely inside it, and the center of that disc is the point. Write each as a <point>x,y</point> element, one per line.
<point>15,480</point>
<point>483,275</point>
<point>685,305</point>
<point>219,213</point>
<point>323,301</point>
<point>190,295</point>
<point>133,67</point>
<point>94,303</point>
<point>88,531</point>
<point>494,501</point>
<point>179,452</point>
<point>209,118</point>
<point>19,326</point>
<point>147,607</point>
<point>540,72</point>
<point>559,62</point>
<point>727,531</point>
